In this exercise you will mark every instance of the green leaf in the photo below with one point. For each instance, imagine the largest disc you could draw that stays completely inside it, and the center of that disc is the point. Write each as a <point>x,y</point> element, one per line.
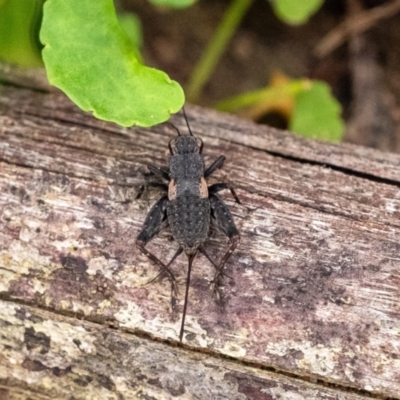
<point>89,56</point>
<point>19,32</point>
<point>132,26</point>
<point>317,113</point>
<point>173,3</point>
<point>296,12</point>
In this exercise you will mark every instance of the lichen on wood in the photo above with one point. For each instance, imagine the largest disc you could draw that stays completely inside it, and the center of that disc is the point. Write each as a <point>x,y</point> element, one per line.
<point>312,291</point>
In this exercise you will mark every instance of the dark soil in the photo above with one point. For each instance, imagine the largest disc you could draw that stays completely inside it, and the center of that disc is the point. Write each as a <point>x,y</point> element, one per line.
<point>363,72</point>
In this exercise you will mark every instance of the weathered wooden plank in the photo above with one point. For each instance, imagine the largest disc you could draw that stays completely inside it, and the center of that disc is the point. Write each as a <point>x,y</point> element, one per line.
<point>287,180</point>
<point>344,156</point>
<point>314,286</point>
<point>48,356</point>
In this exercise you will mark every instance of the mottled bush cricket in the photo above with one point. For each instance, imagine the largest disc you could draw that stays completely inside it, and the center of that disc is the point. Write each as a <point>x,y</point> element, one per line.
<point>189,207</point>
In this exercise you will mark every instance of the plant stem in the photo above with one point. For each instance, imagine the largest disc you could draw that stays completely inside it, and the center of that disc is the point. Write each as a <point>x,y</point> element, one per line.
<point>268,94</point>
<point>216,47</point>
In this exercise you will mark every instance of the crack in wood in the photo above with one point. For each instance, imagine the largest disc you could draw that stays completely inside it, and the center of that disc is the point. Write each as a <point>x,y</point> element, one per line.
<point>174,344</point>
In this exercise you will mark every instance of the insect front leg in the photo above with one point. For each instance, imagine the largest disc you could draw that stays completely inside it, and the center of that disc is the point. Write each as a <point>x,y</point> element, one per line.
<point>156,220</point>
<point>222,217</point>
<point>214,166</point>
<point>162,173</point>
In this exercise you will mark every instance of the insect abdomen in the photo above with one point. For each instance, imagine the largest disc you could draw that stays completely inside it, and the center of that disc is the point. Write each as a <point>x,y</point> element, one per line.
<point>189,219</point>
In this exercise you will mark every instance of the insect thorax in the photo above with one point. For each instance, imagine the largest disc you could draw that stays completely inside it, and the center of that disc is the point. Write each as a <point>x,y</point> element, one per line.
<point>187,176</point>
<point>186,166</point>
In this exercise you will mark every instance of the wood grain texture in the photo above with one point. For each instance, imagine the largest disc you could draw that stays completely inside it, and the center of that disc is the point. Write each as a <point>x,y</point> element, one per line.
<point>312,291</point>
<point>53,357</point>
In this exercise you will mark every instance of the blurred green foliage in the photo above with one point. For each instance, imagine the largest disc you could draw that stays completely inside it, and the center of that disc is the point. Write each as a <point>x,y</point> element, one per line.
<point>296,12</point>
<point>19,32</point>
<point>173,3</point>
<point>95,59</point>
<point>317,114</point>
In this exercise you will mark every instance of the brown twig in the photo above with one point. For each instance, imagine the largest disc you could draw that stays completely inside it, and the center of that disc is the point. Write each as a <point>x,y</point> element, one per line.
<point>371,121</point>
<point>355,24</point>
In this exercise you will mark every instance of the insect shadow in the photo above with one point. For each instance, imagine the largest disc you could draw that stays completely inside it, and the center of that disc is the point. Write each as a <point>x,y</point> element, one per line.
<point>189,207</point>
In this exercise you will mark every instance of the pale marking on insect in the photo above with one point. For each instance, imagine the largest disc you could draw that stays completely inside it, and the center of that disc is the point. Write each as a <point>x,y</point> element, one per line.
<point>172,190</point>
<point>203,188</point>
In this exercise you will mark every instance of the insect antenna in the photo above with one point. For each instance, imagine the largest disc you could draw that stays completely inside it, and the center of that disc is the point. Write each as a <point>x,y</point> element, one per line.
<point>187,122</point>
<point>174,127</point>
<point>191,258</point>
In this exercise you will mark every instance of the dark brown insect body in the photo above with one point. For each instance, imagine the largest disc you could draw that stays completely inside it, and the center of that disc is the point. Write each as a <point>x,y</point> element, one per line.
<point>188,208</point>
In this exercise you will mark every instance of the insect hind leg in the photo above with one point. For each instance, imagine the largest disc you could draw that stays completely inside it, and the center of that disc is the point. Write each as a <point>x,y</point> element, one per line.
<point>217,187</point>
<point>222,217</point>
<point>219,274</point>
<point>165,272</point>
<point>143,188</point>
<point>156,220</point>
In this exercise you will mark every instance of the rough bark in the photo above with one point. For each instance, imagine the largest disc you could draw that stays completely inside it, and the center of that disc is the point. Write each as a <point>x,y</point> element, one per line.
<point>312,291</point>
